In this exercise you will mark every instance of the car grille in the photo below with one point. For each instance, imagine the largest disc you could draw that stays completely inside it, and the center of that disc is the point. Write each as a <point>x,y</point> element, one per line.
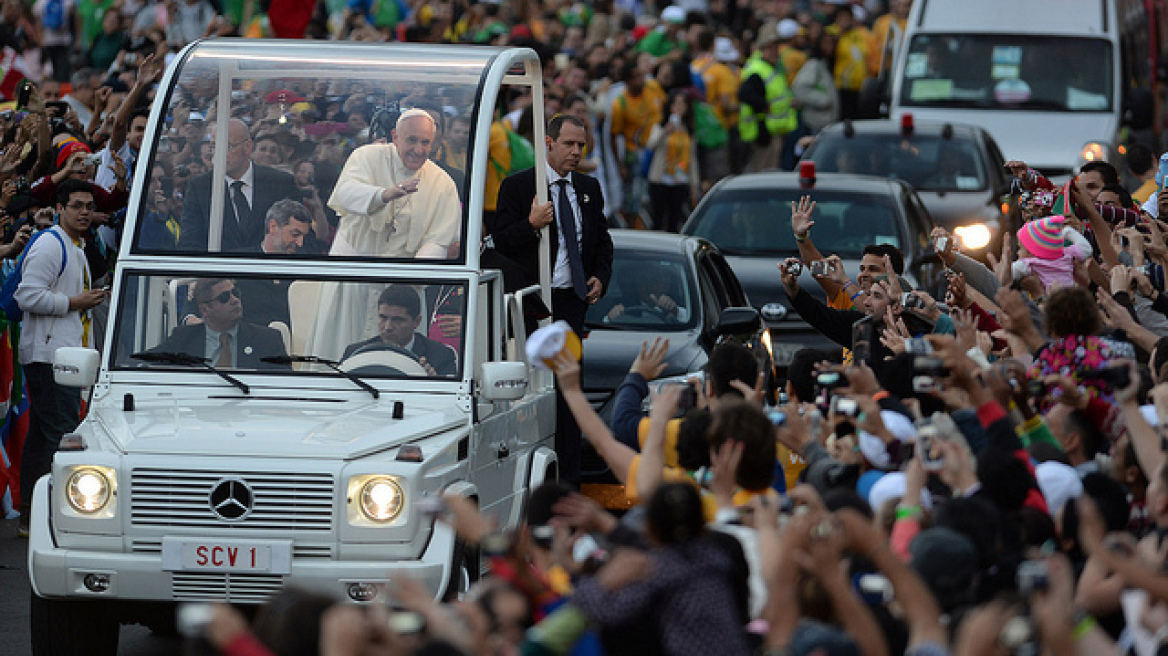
<point>230,588</point>
<point>181,499</point>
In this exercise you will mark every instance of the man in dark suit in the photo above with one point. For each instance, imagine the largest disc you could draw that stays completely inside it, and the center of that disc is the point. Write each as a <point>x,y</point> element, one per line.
<point>580,272</point>
<point>249,191</point>
<point>222,338</point>
<point>399,314</point>
<point>581,248</point>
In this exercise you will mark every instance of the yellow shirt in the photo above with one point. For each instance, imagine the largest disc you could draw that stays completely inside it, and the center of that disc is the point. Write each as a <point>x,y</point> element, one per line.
<point>879,39</point>
<point>792,59</point>
<point>633,117</point>
<point>721,88</point>
<point>499,155</point>
<point>851,59</point>
<point>676,475</point>
<point>1145,191</point>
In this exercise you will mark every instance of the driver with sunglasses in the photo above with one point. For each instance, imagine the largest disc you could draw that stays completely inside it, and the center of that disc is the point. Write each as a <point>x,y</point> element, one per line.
<point>222,338</point>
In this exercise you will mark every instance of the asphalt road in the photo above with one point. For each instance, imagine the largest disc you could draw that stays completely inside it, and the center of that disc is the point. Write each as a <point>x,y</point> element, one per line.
<point>14,592</point>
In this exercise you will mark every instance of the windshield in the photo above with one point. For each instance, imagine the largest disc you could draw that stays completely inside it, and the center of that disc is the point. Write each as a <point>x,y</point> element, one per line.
<point>991,71</point>
<point>928,163</point>
<point>648,292</point>
<point>756,222</point>
<point>272,153</point>
<point>383,328</point>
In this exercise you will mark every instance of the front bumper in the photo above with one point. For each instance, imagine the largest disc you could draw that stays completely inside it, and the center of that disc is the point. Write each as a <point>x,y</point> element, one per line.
<point>60,573</point>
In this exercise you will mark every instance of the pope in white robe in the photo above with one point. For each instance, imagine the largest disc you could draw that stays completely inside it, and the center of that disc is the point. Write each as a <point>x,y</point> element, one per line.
<point>392,202</point>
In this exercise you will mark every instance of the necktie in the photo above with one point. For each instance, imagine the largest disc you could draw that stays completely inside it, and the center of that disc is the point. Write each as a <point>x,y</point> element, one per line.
<point>224,359</point>
<point>567,222</point>
<point>242,208</point>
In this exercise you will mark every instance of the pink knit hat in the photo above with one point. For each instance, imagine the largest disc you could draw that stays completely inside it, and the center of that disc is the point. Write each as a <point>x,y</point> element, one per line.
<point>1043,237</point>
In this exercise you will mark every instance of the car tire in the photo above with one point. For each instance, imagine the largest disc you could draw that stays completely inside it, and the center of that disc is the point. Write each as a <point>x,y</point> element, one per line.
<point>464,571</point>
<point>64,628</point>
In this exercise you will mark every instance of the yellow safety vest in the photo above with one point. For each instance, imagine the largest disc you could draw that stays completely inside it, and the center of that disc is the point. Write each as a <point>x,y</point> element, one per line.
<point>781,117</point>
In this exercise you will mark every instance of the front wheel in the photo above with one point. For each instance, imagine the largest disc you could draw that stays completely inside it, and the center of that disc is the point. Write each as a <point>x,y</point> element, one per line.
<point>65,628</point>
<point>464,571</point>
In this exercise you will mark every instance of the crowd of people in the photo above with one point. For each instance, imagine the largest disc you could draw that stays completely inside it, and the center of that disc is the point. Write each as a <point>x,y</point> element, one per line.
<point>976,471</point>
<point>982,473</point>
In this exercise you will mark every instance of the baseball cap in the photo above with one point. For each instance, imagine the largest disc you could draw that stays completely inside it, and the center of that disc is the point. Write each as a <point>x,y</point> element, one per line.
<point>673,14</point>
<point>724,50</point>
<point>789,29</point>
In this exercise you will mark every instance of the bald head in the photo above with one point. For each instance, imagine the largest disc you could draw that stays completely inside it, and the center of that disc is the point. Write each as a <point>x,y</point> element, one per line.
<point>239,148</point>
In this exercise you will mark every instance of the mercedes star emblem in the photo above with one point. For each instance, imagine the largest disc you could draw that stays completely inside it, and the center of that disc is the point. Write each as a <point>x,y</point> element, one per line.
<point>231,499</point>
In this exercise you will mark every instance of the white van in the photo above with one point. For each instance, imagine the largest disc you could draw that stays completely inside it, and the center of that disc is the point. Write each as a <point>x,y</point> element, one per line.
<point>1044,78</point>
<point>200,480</point>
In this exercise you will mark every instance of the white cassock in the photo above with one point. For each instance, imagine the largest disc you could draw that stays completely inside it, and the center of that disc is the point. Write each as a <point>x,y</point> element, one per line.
<point>419,225</point>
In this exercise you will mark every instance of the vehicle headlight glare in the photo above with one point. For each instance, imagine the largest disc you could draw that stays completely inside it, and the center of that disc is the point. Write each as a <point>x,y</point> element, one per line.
<point>974,236</point>
<point>1093,152</point>
<point>381,499</point>
<point>89,490</point>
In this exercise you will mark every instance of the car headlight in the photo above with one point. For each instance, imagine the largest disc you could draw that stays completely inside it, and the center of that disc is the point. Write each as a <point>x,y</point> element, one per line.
<point>381,499</point>
<point>974,236</point>
<point>89,489</point>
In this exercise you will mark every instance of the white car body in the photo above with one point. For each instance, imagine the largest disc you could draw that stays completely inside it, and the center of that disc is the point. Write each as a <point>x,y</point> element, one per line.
<point>215,493</point>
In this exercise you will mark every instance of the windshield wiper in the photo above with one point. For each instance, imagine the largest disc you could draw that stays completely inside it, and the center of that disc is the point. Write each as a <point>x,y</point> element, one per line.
<point>289,359</point>
<point>190,361</point>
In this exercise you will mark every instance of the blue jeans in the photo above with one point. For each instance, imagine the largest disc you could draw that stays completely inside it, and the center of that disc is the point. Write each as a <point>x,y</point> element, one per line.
<point>53,411</point>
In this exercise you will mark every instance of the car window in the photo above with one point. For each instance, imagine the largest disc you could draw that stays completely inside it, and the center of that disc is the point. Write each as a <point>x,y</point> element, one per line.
<point>648,291</point>
<point>733,293</point>
<point>371,327</point>
<point>756,222</point>
<point>1014,72</point>
<point>928,163</point>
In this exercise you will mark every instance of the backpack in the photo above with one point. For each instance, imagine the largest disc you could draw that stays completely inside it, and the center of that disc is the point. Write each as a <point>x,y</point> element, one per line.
<point>53,16</point>
<point>8,302</point>
<point>708,130</point>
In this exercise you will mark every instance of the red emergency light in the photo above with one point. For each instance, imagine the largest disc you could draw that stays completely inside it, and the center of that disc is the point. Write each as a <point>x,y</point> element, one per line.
<point>807,174</point>
<point>906,125</point>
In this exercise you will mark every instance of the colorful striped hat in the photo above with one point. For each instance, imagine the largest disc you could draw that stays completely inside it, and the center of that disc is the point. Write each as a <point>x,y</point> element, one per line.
<point>1043,237</point>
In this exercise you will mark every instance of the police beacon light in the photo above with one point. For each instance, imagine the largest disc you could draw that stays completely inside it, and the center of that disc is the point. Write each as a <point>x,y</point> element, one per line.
<point>807,174</point>
<point>906,125</point>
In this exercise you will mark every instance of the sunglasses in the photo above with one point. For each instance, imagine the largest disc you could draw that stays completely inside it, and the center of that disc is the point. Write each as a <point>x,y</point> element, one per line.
<point>225,297</point>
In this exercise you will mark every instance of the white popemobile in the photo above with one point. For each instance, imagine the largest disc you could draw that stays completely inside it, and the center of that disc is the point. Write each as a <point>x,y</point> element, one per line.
<point>196,479</point>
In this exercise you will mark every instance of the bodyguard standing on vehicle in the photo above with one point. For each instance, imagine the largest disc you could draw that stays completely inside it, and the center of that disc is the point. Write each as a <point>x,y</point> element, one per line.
<point>55,297</point>
<point>581,248</point>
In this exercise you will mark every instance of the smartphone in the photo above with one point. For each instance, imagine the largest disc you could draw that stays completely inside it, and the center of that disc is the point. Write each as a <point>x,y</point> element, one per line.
<point>941,244</point>
<point>24,93</point>
<point>929,449</point>
<point>862,335</point>
<point>562,61</point>
<point>406,622</point>
<point>844,406</point>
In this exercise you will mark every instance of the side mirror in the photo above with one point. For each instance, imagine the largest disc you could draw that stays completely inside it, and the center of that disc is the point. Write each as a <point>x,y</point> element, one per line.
<point>74,366</point>
<point>503,381</point>
<point>738,321</point>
